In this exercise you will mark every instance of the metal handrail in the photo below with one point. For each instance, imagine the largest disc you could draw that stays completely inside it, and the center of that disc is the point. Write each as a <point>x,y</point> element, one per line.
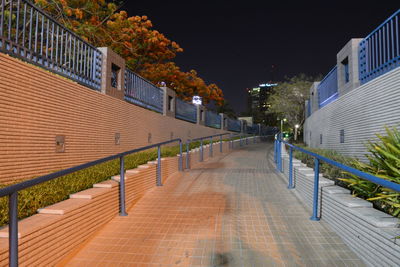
<point>317,158</point>
<point>231,136</point>
<point>12,190</point>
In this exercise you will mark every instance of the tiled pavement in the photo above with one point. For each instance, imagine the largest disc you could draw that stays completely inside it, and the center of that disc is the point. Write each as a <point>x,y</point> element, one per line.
<point>230,211</point>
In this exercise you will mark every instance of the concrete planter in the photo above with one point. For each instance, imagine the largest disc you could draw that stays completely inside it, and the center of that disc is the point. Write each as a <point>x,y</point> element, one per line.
<point>370,233</point>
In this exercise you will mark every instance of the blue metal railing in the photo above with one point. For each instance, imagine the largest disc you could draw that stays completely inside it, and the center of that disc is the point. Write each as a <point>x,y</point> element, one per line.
<point>328,88</point>
<point>252,129</point>
<point>185,111</point>
<point>379,52</point>
<point>317,159</point>
<point>242,139</point>
<point>268,131</point>
<point>234,125</point>
<point>12,190</point>
<point>143,93</point>
<point>29,33</point>
<point>213,119</point>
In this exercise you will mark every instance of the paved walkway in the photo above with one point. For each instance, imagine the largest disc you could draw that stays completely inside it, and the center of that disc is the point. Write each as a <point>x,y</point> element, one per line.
<point>230,211</point>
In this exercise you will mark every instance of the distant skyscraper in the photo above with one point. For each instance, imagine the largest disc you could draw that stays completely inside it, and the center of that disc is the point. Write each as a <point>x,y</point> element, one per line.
<point>258,103</point>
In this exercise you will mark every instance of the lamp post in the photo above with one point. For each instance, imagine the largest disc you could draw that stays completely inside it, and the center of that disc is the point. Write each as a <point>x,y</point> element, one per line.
<point>282,120</point>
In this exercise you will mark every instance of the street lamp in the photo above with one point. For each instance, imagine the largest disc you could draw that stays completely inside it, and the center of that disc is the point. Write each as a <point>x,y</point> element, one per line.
<point>296,127</point>
<point>282,120</point>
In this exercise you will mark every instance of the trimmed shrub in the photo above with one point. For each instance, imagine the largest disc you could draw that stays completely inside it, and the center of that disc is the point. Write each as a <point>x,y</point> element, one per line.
<point>59,189</point>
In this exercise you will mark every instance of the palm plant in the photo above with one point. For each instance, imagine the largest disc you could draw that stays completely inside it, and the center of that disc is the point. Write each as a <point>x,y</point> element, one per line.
<point>384,162</point>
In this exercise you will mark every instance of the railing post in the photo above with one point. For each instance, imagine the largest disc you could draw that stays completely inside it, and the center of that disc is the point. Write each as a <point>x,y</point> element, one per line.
<point>13,229</point>
<point>159,183</point>
<point>201,150</point>
<point>278,165</point>
<point>187,154</point>
<point>314,216</point>
<point>275,151</point>
<point>280,156</point>
<point>220,143</point>
<point>122,211</point>
<point>211,147</point>
<point>290,186</point>
<point>247,140</point>
<point>240,140</point>
<point>231,141</point>
<point>254,138</point>
<point>180,156</point>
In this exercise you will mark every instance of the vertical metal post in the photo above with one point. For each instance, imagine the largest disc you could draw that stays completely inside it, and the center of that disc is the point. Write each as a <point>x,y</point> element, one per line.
<point>247,140</point>
<point>240,140</point>
<point>159,183</point>
<point>279,154</point>
<point>314,216</point>
<point>290,186</point>
<point>211,147</point>
<point>231,141</point>
<point>201,150</point>
<point>13,229</point>
<point>275,146</point>
<point>187,154</point>
<point>180,156</point>
<point>220,143</point>
<point>122,211</point>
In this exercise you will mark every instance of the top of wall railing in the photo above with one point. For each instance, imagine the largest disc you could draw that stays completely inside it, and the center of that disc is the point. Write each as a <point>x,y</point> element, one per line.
<point>328,88</point>
<point>29,33</point>
<point>142,92</point>
<point>379,52</point>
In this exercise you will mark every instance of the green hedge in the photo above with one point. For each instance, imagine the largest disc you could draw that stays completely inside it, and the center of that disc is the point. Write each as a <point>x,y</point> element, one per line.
<point>51,192</point>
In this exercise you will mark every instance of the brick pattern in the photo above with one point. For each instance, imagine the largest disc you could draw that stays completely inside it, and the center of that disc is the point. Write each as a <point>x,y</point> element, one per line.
<point>36,105</point>
<point>228,211</point>
<point>46,238</point>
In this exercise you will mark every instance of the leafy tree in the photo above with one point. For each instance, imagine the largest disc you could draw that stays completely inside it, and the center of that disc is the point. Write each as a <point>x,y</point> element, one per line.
<point>146,51</point>
<point>185,84</point>
<point>289,96</point>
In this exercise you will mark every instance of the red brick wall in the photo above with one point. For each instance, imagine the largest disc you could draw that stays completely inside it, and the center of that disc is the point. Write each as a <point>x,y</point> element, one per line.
<point>36,105</point>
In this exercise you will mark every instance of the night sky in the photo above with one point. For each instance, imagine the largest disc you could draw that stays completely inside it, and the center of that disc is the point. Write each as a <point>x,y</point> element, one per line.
<point>234,45</point>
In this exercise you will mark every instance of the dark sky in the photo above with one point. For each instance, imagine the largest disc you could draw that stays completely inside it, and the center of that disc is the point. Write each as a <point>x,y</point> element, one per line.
<point>235,44</point>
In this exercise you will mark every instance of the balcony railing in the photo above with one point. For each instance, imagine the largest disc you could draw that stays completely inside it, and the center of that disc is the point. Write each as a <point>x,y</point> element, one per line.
<point>379,52</point>
<point>29,33</point>
<point>233,125</point>
<point>328,88</point>
<point>185,111</point>
<point>141,92</point>
<point>213,119</point>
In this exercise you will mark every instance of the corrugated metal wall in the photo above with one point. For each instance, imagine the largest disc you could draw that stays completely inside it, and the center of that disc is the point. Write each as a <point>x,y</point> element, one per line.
<point>361,113</point>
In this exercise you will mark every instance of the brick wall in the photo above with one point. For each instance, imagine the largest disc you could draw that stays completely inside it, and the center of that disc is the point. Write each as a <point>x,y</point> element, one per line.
<point>48,237</point>
<point>36,106</point>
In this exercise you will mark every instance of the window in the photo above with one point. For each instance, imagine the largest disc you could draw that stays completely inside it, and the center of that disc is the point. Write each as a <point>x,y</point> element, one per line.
<point>341,136</point>
<point>170,103</point>
<point>320,139</point>
<point>114,75</point>
<point>346,73</point>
